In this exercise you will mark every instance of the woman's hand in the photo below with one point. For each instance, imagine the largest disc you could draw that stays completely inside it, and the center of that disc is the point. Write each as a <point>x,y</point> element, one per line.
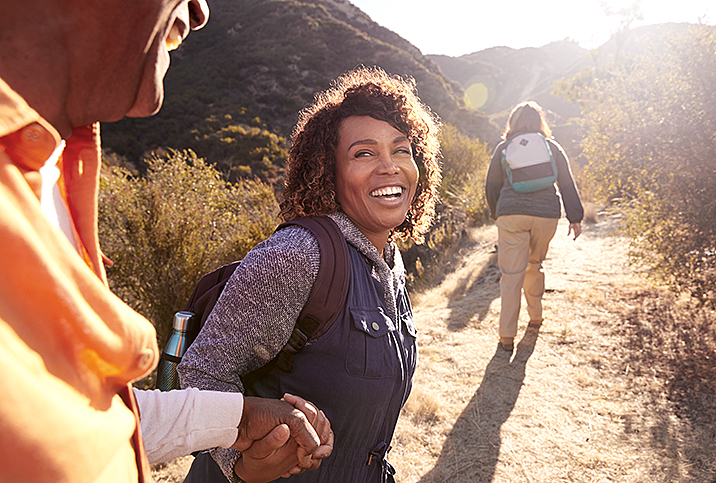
<point>301,438</point>
<point>320,424</point>
<point>269,458</point>
<point>576,228</point>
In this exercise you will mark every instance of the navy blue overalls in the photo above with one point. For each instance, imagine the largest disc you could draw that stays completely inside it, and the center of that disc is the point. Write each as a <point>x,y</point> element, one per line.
<point>359,373</point>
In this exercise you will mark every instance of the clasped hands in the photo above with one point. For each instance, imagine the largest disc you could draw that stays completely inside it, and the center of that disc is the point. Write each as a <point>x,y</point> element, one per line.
<point>280,438</point>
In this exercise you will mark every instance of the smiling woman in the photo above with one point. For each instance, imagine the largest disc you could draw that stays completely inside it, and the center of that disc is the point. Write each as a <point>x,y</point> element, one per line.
<point>365,154</point>
<point>311,172</point>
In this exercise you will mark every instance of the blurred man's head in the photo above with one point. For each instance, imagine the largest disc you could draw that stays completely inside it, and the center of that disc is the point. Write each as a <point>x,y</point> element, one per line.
<point>101,60</point>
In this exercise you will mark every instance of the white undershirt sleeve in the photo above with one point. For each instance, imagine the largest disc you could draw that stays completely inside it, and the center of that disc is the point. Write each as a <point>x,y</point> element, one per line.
<point>177,423</point>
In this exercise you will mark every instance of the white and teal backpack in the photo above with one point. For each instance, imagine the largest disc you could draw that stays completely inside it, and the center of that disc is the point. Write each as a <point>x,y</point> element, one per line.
<point>529,164</point>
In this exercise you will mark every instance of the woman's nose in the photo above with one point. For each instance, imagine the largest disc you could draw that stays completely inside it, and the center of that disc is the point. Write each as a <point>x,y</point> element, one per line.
<point>387,164</point>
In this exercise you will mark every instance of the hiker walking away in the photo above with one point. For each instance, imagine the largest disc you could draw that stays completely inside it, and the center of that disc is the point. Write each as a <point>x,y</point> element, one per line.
<point>524,202</point>
<point>364,154</point>
<point>69,348</point>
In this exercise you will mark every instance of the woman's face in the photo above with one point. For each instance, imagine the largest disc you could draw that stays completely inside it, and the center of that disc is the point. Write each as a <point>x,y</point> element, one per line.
<point>376,176</point>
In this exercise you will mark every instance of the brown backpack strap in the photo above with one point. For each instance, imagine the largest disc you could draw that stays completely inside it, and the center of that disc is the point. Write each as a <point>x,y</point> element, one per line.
<point>326,299</point>
<point>329,291</point>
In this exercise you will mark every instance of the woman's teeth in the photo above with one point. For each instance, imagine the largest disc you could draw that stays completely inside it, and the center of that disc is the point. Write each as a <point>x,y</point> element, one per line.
<point>174,38</point>
<point>388,191</point>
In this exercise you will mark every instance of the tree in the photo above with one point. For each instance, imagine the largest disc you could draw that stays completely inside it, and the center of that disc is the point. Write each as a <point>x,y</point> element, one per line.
<point>650,145</point>
<point>165,230</point>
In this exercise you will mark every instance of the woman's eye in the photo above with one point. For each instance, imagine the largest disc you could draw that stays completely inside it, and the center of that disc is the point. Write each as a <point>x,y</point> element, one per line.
<point>405,151</point>
<point>362,154</point>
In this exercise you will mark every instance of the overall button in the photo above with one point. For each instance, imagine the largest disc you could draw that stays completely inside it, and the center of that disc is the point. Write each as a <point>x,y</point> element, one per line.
<point>375,326</point>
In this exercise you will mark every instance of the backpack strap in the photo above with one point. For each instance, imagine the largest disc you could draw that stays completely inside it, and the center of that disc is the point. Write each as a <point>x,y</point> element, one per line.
<point>326,299</point>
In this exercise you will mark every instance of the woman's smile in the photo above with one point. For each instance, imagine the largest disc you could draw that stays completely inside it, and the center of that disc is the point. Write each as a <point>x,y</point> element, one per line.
<point>376,176</point>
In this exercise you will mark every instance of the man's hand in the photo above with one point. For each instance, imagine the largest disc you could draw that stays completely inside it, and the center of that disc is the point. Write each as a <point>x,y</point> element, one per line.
<point>269,458</point>
<point>264,432</point>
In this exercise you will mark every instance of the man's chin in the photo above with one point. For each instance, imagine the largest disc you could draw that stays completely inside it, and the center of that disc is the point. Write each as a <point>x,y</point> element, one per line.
<point>146,107</point>
<point>143,112</point>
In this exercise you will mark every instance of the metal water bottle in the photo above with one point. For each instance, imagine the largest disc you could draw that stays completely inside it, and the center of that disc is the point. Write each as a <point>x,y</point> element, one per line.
<point>178,342</point>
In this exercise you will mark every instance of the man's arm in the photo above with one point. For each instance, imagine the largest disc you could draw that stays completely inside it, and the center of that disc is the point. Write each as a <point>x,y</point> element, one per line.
<point>177,423</point>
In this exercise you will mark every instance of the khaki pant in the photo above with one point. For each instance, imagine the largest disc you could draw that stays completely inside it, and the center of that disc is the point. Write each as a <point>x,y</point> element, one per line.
<point>522,245</point>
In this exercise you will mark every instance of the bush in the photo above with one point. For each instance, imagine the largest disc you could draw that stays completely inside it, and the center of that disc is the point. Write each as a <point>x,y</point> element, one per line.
<point>650,145</point>
<point>241,151</point>
<point>165,230</point>
<point>465,163</point>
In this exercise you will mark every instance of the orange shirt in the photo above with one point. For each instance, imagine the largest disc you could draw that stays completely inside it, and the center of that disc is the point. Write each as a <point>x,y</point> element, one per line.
<point>69,348</point>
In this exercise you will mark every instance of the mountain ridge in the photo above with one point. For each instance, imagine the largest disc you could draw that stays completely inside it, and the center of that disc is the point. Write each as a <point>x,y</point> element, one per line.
<point>259,62</point>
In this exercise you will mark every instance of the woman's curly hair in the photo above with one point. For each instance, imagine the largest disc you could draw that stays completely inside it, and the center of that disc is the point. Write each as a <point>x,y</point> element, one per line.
<point>310,170</point>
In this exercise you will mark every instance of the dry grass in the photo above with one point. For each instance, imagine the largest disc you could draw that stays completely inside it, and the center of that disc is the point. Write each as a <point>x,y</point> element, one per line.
<point>618,385</point>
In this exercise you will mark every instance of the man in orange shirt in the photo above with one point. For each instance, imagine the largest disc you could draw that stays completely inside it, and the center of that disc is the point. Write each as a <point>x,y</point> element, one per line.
<point>69,349</point>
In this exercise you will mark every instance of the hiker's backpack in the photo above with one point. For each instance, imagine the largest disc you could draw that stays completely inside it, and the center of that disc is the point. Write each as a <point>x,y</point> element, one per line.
<point>529,163</point>
<point>325,302</point>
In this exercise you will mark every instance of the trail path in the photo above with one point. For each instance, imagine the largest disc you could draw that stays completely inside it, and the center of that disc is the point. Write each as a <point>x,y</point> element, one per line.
<point>560,409</point>
<point>570,405</point>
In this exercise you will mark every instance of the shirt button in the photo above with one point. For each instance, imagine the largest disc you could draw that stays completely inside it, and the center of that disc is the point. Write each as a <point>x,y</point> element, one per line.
<point>31,134</point>
<point>375,326</point>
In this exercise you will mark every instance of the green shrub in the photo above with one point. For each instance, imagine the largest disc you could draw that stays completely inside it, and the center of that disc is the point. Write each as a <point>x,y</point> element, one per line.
<point>239,150</point>
<point>165,230</point>
<point>465,163</point>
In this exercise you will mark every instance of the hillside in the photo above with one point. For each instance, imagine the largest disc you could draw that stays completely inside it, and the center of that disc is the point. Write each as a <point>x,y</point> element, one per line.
<point>511,75</point>
<point>258,62</point>
<point>514,75</point>
<point>266,59</point>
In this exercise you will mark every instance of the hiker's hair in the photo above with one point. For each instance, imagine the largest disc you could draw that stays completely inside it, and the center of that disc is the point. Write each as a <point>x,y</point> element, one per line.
<point>310,184</point>
<point>526,117</point>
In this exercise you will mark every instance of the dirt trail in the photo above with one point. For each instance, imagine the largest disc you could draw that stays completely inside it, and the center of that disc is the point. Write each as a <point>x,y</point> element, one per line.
<point>563,407</point>
<point>567,406</point>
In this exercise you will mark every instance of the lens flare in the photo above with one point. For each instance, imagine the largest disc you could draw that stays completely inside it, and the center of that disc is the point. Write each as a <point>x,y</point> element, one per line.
<point>477,95</point>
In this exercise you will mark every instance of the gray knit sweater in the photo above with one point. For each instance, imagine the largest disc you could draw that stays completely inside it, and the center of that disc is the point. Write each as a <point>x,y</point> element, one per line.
<point>258,308</point>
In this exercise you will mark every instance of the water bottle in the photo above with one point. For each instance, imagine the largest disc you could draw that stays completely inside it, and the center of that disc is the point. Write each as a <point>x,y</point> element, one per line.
<point>178,342</point>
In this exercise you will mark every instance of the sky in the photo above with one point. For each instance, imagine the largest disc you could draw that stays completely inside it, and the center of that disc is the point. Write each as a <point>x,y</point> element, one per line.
<point>459,27</point>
